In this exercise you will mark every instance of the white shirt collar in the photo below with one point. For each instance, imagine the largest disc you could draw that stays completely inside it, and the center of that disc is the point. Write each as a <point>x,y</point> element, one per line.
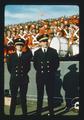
<point>19,52</point>
<point>44,49</point>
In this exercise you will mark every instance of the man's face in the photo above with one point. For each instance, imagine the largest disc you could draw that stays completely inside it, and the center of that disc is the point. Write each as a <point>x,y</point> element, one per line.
<point>19,47</point>
<point>44,44</point>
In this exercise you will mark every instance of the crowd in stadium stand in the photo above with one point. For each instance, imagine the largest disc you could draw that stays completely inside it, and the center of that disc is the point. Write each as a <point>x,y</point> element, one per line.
<point>29,31</point>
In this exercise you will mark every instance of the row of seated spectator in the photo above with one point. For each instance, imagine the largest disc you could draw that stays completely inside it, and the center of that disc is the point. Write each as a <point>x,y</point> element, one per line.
<point>30,30</point>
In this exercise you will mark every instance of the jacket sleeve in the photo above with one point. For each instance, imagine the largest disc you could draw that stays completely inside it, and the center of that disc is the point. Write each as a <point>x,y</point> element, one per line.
<point>9,63</point>
<point>28,61</point>
<point>35,61</point>
<point>56,61</point>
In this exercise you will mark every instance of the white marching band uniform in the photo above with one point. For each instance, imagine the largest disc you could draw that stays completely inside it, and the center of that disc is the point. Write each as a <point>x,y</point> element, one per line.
<point>60,44</point>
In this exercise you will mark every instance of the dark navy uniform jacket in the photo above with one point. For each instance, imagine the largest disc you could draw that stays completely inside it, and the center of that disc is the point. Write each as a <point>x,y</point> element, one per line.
<point>19,67</point>
<point>46,64</point>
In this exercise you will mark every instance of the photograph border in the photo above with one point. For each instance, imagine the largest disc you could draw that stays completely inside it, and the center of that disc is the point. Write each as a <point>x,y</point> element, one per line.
<point>61,2</point>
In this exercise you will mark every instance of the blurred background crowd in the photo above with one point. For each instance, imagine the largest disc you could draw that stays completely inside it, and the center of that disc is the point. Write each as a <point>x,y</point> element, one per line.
<point>66,28</point>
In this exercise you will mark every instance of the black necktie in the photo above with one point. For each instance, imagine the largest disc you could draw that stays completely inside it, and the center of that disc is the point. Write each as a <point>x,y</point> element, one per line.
<point>19,54</point>
<point>44,51</point>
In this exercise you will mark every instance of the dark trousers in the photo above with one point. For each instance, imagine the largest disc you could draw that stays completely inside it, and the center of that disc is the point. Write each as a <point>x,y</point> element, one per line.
<point>14,92</point>
<point>40,93</point>
<point>69,95</point>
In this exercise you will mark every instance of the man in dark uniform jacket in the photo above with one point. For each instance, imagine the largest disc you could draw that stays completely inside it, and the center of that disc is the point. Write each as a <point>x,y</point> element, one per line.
<point>18,65</point>
<point>46,63</point>
<point>71,85</point>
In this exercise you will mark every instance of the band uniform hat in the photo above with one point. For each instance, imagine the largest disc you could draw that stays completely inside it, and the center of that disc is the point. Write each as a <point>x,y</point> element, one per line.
<point>19,41</point>
<point>43,38</point>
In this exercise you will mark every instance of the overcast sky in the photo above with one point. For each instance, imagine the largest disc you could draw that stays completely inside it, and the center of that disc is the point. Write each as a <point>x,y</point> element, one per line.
<point>15,14</point>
